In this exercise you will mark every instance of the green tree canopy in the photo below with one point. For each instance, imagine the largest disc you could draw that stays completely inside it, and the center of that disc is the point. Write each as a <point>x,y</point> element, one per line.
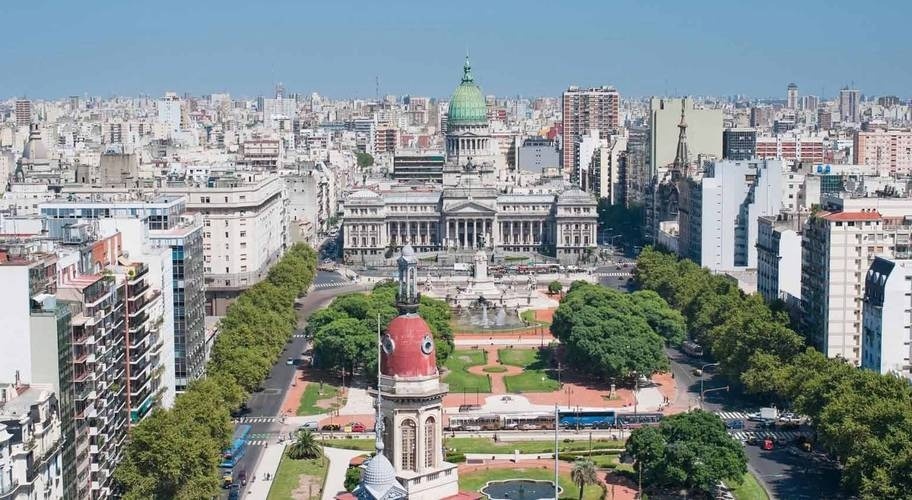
<point>690,450</point>
<point>555,287</point>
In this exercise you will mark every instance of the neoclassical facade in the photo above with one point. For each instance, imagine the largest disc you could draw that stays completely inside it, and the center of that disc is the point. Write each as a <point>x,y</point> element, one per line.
<point>466,218</point>
<point>469,211</point>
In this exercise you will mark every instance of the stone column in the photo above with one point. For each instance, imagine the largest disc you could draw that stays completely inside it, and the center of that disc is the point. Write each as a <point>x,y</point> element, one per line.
<point>447,230</point>
<point>474,233</point>
<point>463,235</point>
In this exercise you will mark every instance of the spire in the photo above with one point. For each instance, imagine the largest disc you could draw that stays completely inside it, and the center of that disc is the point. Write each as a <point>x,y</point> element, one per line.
<point>467,71</point>
<point>681,161</point>
<point>408,280</point>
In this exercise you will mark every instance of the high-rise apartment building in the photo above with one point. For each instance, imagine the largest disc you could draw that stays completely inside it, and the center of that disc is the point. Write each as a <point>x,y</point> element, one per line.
<point>23,112</point>
<point>718,212</point>
<point>739,144</point>
<point>169,112</point>
<point>779,258</point>
<point>585,110</point>
<point>161,224</point>
<point>849,105</point>
<point>887,317</point>
<point>838,246</point>
<point>244,231</point>
<point>889,151</point>
<point>790,148</point>
<point>791,96</point>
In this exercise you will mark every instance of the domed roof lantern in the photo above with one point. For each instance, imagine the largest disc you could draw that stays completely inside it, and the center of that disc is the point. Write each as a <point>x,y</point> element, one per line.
<point>408,280</point>
<point>467,71</point>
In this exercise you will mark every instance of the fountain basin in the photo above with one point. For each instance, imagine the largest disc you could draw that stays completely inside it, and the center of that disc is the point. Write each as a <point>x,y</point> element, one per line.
<point>524,489</point>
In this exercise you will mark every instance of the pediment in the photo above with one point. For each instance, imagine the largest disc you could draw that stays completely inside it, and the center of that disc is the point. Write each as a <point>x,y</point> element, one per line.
<point>468,207</point>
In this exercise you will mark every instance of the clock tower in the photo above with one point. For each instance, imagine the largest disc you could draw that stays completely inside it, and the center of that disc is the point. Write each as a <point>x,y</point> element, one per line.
<point>411,396</point>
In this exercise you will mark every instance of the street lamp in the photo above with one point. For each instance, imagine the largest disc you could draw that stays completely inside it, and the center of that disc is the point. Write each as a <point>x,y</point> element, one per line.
<point>703,393</point>
<point>707,365</point>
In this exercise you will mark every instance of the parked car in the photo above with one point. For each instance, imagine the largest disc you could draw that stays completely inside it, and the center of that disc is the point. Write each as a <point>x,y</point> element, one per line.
<point>331,428</point>
<point>357,427</point>
<point>308,426</point>
<point>790,418</point>
<point>234,492</point>
<point>734,424</point>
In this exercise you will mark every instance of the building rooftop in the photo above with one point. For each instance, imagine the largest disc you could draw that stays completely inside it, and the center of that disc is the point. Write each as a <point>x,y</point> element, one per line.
<point>851,216</point>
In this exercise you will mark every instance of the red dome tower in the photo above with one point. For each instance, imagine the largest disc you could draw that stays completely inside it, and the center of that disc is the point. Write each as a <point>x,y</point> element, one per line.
<point>411,396</point>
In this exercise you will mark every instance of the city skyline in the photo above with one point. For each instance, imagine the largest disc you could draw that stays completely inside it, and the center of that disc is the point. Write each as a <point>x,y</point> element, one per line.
<point>338,51</point>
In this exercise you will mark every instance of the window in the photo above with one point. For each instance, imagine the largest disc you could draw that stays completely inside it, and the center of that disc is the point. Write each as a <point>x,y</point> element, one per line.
<point>430,440</point>
<point>408,445</point>
<point>207,223</point>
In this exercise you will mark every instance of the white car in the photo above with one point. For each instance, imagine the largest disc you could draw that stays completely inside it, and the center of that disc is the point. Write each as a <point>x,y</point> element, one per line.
<point>790,418</point>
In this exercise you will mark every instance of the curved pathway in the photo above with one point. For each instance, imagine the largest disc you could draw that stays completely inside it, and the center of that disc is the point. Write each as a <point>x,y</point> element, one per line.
<point>497,378</point>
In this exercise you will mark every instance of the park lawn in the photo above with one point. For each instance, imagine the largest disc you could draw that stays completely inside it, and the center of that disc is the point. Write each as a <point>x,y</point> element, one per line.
<point>474,481</point>
<point>363,444</point>
<point>529,317</point>
<point>288,476</point>
<point>458,376</point>
<point>311,395</point>
<point>486,445</point>
<point>750,489</point>
<point>535,376</point>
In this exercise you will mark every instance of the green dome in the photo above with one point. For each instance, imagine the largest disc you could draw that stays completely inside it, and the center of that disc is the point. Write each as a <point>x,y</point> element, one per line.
<point>467,106</point>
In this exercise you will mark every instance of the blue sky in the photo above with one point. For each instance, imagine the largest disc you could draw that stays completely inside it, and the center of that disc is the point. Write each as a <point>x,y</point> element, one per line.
<point>55,48</point>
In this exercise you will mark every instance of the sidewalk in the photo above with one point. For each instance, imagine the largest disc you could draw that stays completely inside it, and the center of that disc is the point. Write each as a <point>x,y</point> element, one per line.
<point>257,487</point>
<point>338,465</point>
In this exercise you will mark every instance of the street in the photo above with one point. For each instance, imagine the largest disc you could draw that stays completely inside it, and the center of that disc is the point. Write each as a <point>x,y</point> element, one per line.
<point>787,472</point>
<point>263,406</point>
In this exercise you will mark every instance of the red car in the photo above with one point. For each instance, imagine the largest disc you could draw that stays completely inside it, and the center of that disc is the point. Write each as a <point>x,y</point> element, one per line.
<point>767,444</point>
<point>357,427</point>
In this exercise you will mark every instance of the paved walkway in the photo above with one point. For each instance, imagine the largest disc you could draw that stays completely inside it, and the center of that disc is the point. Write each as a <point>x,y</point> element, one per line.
<point>359,402</point>
<point>497,379</point>
<point>257,485</point>
<point>338,465</point>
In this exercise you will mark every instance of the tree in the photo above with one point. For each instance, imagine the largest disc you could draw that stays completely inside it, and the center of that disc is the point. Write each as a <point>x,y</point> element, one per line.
<point>606,331</point>
<point>555,287</point>
<point>582,474</point>
<point>364,159</point>
<point>305,446</point>
<point>690,450</point>
<point>662,319</point>
<point>345,344</point>
<point>352,478</point>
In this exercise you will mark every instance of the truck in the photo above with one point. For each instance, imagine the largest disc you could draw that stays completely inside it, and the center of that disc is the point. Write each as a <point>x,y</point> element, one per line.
<point>767,415</point>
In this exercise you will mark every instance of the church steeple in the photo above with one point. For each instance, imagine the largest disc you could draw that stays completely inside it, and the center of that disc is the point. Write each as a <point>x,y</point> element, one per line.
<point>681,164</point>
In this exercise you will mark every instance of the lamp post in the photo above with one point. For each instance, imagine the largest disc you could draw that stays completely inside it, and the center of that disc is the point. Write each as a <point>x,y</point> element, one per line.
<point>707,365</point>
<point>702,393</point>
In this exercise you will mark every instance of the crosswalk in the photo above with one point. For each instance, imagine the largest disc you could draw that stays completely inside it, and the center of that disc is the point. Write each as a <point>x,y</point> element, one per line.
<point>299,335</point>
<point>732,415</point>
<point>257,442</point>
<point>333,284</point>
<point>254,420</point>
<point>777,435</point>
<point>618,274</point>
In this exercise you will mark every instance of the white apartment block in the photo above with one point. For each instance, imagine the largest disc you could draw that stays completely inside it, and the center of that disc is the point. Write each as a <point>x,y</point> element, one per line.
<point>718,212</point>
<point>169,112</point>
<point>30,442</point>
<point>779,257</point>
<point>838,247</point>
<point>887,317</point>
<point>245,230</point>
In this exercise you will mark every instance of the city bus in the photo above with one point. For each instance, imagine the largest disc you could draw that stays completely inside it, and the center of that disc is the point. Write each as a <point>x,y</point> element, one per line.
<point>587,419</point>
<point>635,420</point>
<point>238,446</point>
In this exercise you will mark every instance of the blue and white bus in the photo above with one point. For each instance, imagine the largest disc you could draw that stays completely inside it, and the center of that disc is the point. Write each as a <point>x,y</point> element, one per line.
<point>237,448</point>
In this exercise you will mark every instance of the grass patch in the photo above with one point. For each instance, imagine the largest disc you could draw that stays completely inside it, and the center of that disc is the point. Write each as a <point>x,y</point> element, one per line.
<point>458,376</point>
<point>494,369</point>
<point>474,481</point>
<point>288,476</point>
<point>750,489</point>
<point>535,376</point>
<point>311,395</point>
<point>529,317</point>
<point>362,444</point>
<point>487,445</point>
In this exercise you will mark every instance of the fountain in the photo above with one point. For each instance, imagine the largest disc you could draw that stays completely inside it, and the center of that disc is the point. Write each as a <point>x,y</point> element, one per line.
<point>524,489</point>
